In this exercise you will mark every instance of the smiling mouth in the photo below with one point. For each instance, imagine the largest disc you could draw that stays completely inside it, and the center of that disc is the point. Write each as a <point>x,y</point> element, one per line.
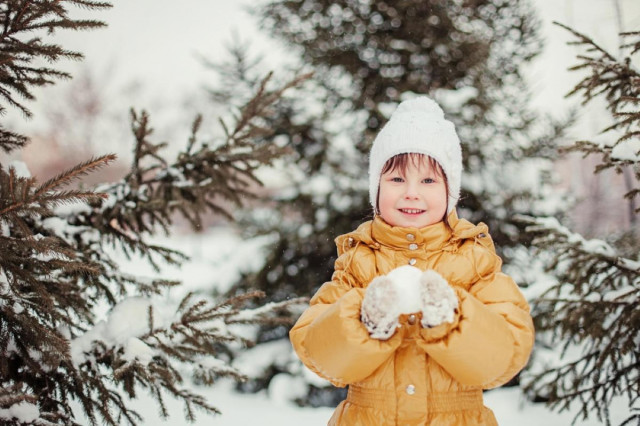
<point>412,211</point>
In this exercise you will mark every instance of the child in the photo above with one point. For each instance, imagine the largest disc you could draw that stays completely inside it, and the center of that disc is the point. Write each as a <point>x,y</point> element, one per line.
<point>416,344</point>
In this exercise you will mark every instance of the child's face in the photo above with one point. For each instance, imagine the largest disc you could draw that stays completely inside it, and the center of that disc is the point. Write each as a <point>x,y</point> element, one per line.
<point>415,197</point>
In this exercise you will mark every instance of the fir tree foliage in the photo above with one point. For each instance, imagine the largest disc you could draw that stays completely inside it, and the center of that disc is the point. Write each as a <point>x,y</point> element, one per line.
<point>618,81</point>
<point>56,270</point>
<point>590,311</point>
<point>23,48</point>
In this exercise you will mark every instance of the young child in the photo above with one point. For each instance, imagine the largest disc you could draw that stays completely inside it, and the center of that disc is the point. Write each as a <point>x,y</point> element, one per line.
<point>418,318</point>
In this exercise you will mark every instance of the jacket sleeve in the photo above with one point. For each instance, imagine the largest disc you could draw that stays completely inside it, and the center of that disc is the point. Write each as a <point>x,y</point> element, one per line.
<point>329,337</point>
<point>492,336</point>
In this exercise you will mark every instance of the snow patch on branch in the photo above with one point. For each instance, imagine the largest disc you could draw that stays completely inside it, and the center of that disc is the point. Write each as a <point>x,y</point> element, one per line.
<point>127,321</point>
<point>627,150</point>
<point>23,412</point>
<point>21,168</point>
<point>595,246</point>
<point>136,349</point>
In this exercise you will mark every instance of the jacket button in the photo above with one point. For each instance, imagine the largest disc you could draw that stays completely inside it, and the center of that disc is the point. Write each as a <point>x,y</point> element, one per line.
<point>410,389</point>
<point>411,237</point>
<point>412,261</point>
<point>412,319</point>
<point>413,246</point>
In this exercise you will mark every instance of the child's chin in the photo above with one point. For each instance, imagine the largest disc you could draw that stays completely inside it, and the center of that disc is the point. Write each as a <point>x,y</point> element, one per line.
<point>419,221</point>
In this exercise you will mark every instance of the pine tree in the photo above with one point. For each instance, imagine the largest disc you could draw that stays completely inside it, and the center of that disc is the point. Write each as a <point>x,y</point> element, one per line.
<point>590,309</point>
<point>366,57</point>
<point>57,242</point>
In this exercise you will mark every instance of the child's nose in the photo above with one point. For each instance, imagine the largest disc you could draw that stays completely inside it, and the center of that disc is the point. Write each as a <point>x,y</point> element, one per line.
<point>411,191</point>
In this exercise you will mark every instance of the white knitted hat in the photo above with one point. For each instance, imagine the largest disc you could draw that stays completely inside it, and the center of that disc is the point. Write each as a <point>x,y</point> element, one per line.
<point>418,126</point>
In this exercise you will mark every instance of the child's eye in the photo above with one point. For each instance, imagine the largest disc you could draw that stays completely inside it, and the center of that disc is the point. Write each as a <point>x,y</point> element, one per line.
<point>428,180</point>
<point>397,179</point>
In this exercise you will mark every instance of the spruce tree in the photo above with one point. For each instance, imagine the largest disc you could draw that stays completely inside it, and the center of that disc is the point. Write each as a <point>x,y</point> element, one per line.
<point>367,57</point>
<point>589,310</point>
<point>57,242</point>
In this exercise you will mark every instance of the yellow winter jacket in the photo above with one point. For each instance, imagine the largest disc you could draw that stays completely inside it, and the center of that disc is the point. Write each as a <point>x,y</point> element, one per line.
<point>419,376</point>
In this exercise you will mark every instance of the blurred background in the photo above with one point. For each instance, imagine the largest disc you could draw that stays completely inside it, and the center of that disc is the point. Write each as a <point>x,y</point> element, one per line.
<point>500,69</point>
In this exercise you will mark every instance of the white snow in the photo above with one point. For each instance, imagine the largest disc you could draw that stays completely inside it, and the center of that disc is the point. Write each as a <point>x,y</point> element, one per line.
<point>318,185</point>
<point>128,320</point>
<point>255,361</point>
<point>4,284</point>
<point>23,412</point>
<point>238,409</point>
<point>627,150</point>
<point>425,291</point>
<point>4,229</point>
<point>21,168</point>
<point>406,280</point>
<point>453,100</point>
<point>64,210</point>
<point>285,388</point>
<point>136,350</point>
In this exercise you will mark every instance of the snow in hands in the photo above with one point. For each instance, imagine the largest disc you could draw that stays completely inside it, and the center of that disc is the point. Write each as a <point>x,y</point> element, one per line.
<point>407,290</point>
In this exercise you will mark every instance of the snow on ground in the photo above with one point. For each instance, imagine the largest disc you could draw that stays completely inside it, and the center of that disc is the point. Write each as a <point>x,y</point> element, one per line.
<point>249,409</point>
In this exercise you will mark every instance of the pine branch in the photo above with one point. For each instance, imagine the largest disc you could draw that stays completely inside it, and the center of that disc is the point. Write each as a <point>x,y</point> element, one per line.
<point>19,197</point>
<point>619,83</point>
<point>205,178</point>
<point>19,20</point>
<point>54,272</point>
<point>10,140</point>
<point>609,160</point>
<point>593,305</point>
<point>74,173</point>
<point>148,359</point>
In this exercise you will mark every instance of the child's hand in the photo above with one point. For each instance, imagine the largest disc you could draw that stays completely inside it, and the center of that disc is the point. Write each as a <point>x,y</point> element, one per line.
<point>439,300</point>
<point>378,312</point>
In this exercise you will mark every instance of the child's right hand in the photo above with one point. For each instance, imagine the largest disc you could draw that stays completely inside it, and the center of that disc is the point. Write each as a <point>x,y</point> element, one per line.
<point>378,313</point>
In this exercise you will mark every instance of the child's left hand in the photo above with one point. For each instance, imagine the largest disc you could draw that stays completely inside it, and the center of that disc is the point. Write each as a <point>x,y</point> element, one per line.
<point>439,300</point>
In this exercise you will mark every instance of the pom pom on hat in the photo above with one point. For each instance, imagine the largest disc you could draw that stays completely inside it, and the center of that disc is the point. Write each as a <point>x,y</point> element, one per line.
<point>418,126</point>
<point>421,105</point>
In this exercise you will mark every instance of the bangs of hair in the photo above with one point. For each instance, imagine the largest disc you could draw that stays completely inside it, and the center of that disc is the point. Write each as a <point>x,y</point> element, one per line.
<point>401,162</point>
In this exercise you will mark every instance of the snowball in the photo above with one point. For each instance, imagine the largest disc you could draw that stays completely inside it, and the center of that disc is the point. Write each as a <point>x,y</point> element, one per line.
<point>406,280</point>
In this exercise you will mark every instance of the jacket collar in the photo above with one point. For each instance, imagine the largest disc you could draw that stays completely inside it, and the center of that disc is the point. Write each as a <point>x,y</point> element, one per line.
<point>430,237</point>
<point>377,232</point>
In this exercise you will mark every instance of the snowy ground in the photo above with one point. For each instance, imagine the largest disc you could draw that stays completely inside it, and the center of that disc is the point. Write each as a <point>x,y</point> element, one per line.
<point>242,410</point>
